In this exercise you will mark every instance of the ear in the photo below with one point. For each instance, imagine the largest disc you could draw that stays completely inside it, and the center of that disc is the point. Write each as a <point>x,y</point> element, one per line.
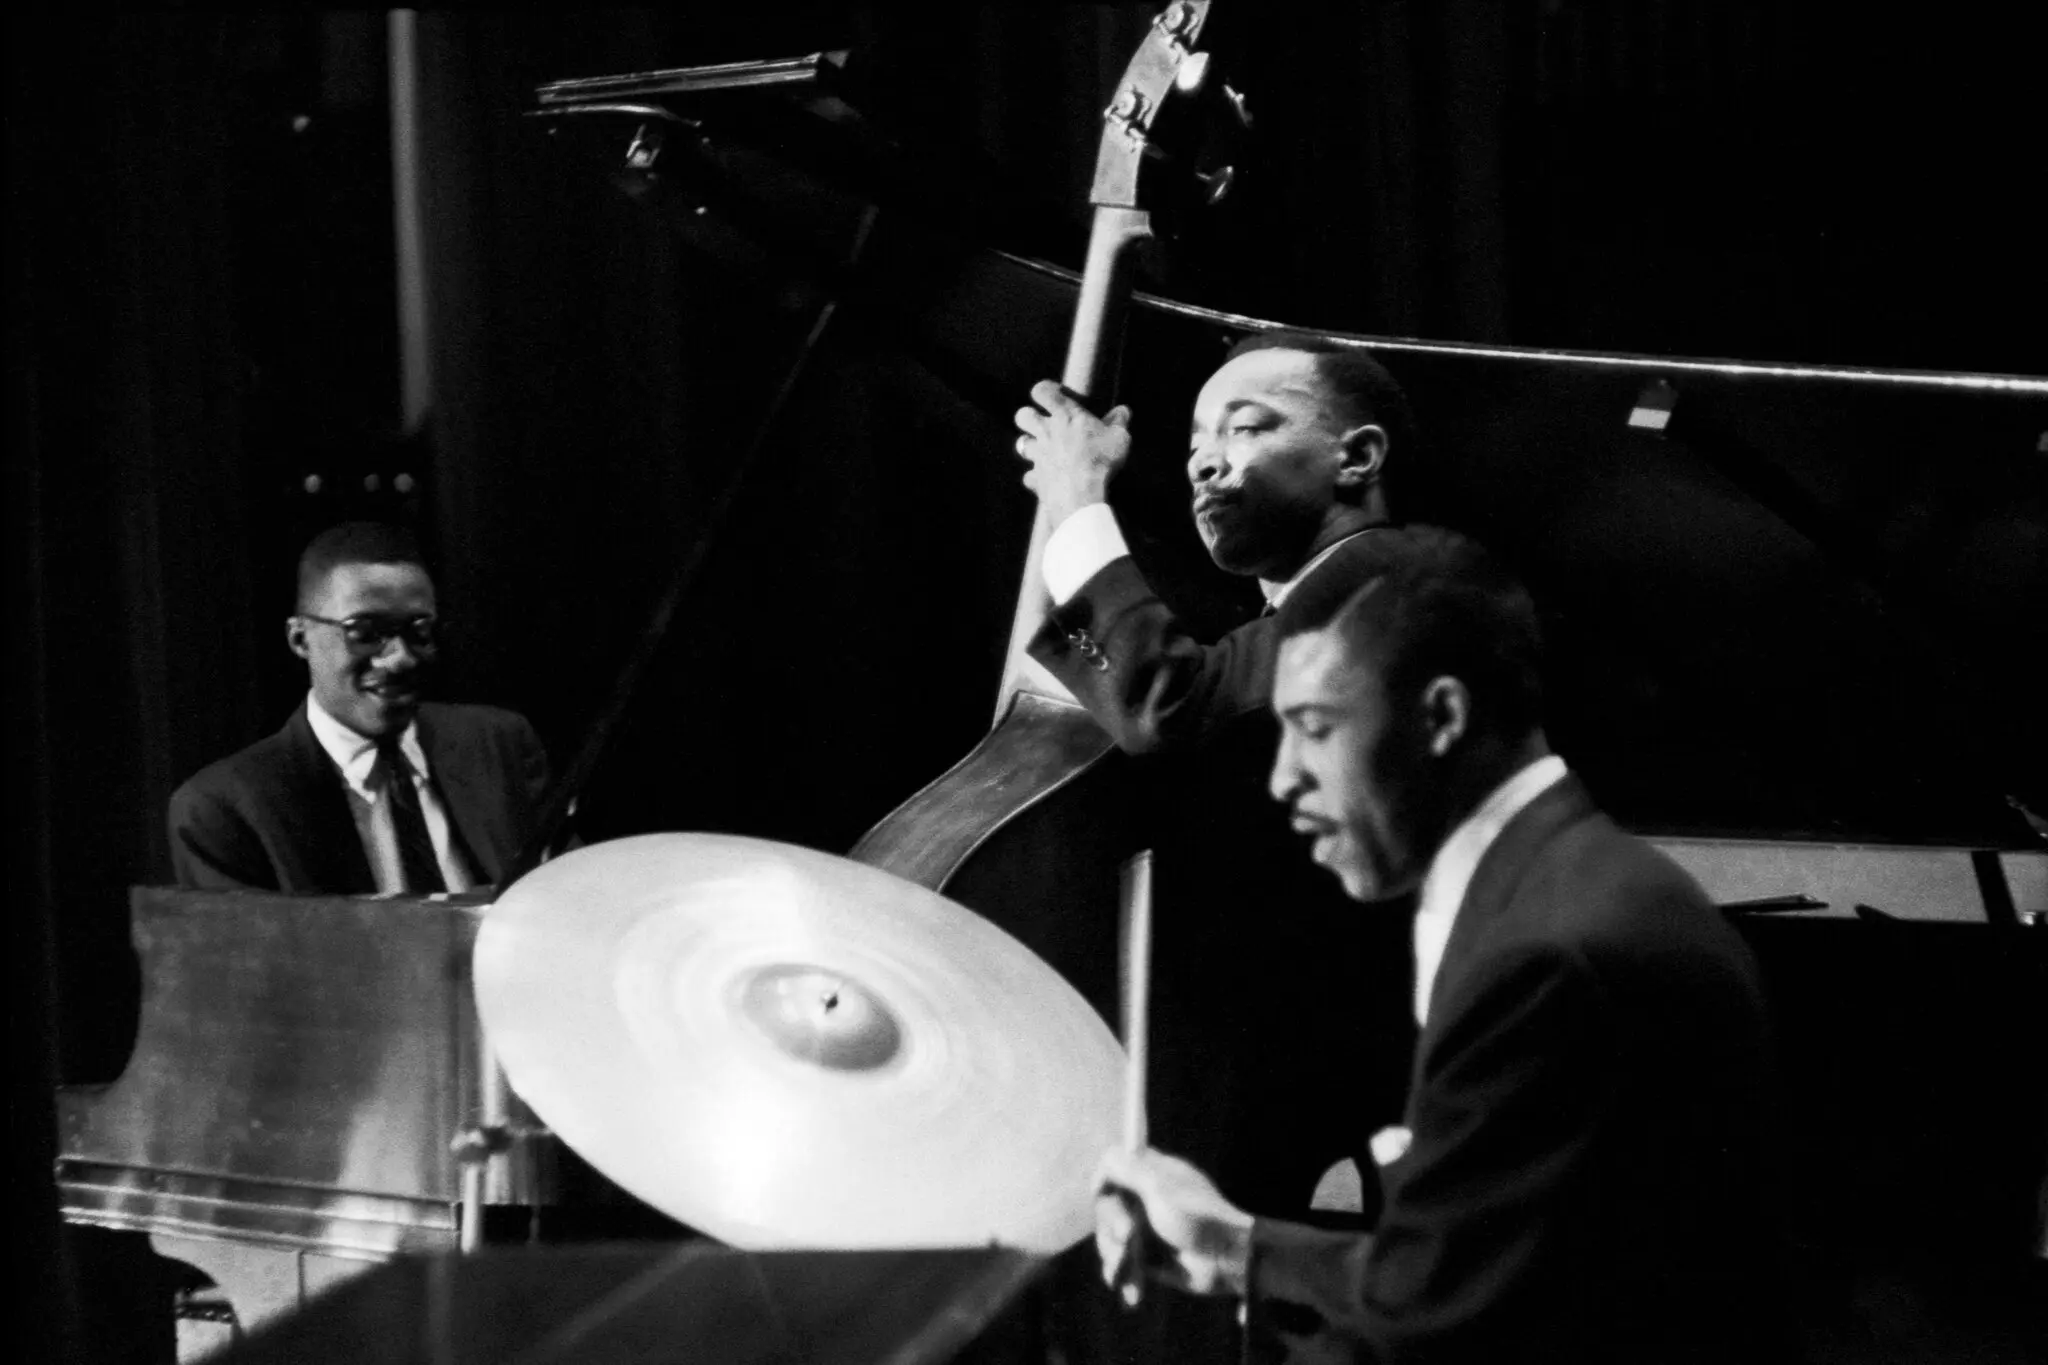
<point>1364,454</point>
<point>295,637</point>
<point>1446,714</point>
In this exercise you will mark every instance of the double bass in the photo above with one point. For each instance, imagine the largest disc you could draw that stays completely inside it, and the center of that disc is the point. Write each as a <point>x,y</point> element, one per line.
<point>1281,1036</point>
<point>1029,826</point>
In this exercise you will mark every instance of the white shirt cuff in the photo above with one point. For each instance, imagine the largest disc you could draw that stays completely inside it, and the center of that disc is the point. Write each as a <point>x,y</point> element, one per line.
<point>1078,548</point>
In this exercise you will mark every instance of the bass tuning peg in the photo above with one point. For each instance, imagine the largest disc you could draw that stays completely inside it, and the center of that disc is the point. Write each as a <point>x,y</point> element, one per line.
<point>1218,181</point>
<point>645,149</point>
<point>1237,109</point>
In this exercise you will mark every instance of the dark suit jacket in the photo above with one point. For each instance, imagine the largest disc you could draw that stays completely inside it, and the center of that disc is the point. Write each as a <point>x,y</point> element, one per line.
<point>1126,657</point>
<point>1281,1032</point>
<point>1586,1175</point>
<point>276,816</point>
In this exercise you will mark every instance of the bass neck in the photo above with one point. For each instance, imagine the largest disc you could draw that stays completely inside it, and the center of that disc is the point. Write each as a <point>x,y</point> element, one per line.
<point>1113,238</point>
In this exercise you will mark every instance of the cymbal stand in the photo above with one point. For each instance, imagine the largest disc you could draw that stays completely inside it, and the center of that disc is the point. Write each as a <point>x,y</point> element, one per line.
<point>500,1152</point>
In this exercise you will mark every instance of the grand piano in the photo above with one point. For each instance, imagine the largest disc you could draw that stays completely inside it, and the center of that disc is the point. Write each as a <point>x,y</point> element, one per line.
<point>1796,620</point>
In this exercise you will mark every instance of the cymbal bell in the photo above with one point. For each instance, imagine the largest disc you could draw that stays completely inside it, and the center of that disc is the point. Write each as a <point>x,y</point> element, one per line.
<point>788,1049</point>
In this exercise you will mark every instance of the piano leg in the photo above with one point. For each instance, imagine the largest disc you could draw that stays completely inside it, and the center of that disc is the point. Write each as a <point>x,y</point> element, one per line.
<point>261,1283</point>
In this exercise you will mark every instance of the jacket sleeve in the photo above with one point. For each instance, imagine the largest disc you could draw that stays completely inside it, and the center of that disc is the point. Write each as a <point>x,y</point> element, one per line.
<point>1127,658</point>
<point>526,780</point>
<point>213,848</point>
<point>531,766</point>
<point>1470,1252</point>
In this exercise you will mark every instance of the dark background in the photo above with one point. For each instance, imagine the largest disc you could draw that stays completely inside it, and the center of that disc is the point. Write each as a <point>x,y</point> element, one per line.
<point>201,315</point>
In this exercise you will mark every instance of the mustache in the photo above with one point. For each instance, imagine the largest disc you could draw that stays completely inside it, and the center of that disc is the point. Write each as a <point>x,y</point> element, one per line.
<point>383,681</point>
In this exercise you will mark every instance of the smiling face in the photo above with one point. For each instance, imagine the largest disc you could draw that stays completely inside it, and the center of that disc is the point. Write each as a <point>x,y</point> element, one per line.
<point>1272,463</point>
<point>1354,769</point>
<point>373,690</point>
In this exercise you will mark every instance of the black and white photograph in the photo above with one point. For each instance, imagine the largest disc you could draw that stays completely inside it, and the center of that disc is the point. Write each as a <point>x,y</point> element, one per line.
<point>1124,683</point>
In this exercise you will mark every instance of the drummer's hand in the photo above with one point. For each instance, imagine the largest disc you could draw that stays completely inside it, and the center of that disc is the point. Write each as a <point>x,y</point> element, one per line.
<point>1197,1240</point>
<point>1073,453</point>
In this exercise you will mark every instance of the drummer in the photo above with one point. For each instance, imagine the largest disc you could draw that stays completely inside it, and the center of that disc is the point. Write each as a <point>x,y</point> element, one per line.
<point>1578,1174</point>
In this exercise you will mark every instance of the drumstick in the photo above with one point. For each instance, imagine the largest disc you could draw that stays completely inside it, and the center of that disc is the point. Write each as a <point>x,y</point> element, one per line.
<point>1135,940</point>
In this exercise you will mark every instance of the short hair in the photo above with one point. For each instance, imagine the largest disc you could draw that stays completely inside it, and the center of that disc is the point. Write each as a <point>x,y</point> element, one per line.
<point>1367,392</point>
<point>354,542</point>
<point>1421,602</point>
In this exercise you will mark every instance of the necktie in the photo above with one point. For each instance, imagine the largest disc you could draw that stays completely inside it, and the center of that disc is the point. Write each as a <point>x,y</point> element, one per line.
<point>415,845</point>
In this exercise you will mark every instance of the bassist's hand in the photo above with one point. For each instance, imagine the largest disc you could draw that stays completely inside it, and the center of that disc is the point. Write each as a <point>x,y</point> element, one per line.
<point>1073,453</point>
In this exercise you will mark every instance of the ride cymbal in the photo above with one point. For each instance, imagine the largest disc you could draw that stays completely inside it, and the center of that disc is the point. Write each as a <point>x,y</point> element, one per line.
<point>787,1049</point>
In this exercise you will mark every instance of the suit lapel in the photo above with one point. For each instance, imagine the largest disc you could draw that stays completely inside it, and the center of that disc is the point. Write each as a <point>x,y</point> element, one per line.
<point>1501,869</point>
<point>1492,891</point>
<point>332,850</point>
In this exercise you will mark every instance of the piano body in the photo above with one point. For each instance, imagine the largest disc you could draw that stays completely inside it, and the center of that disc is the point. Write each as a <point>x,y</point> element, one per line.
<point>302,1069</point>
<point>304,1066</point>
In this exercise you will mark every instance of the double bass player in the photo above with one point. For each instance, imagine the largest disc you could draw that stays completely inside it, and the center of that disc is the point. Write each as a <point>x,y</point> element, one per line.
<point>1259,995</point>
<point>1287,447</point>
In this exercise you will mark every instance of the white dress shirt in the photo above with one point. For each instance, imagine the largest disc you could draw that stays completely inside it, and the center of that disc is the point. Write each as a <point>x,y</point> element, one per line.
<point>356,756</point>
<point>1450,872</point>
<point>1078,548</point>
<point>1088,539</point>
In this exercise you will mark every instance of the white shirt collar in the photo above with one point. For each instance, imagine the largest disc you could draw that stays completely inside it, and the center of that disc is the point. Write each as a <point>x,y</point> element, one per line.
<point>1276,593</point>
<point>1457,859</point>
<point>356,754</point>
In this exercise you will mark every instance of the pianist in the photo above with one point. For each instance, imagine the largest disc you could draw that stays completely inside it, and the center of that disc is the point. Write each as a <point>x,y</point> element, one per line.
<point>1578,1172</point>
<point>367,788</point>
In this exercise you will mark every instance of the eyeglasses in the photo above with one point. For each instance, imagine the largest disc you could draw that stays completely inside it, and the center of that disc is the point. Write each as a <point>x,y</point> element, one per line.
<point>371,631</point>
